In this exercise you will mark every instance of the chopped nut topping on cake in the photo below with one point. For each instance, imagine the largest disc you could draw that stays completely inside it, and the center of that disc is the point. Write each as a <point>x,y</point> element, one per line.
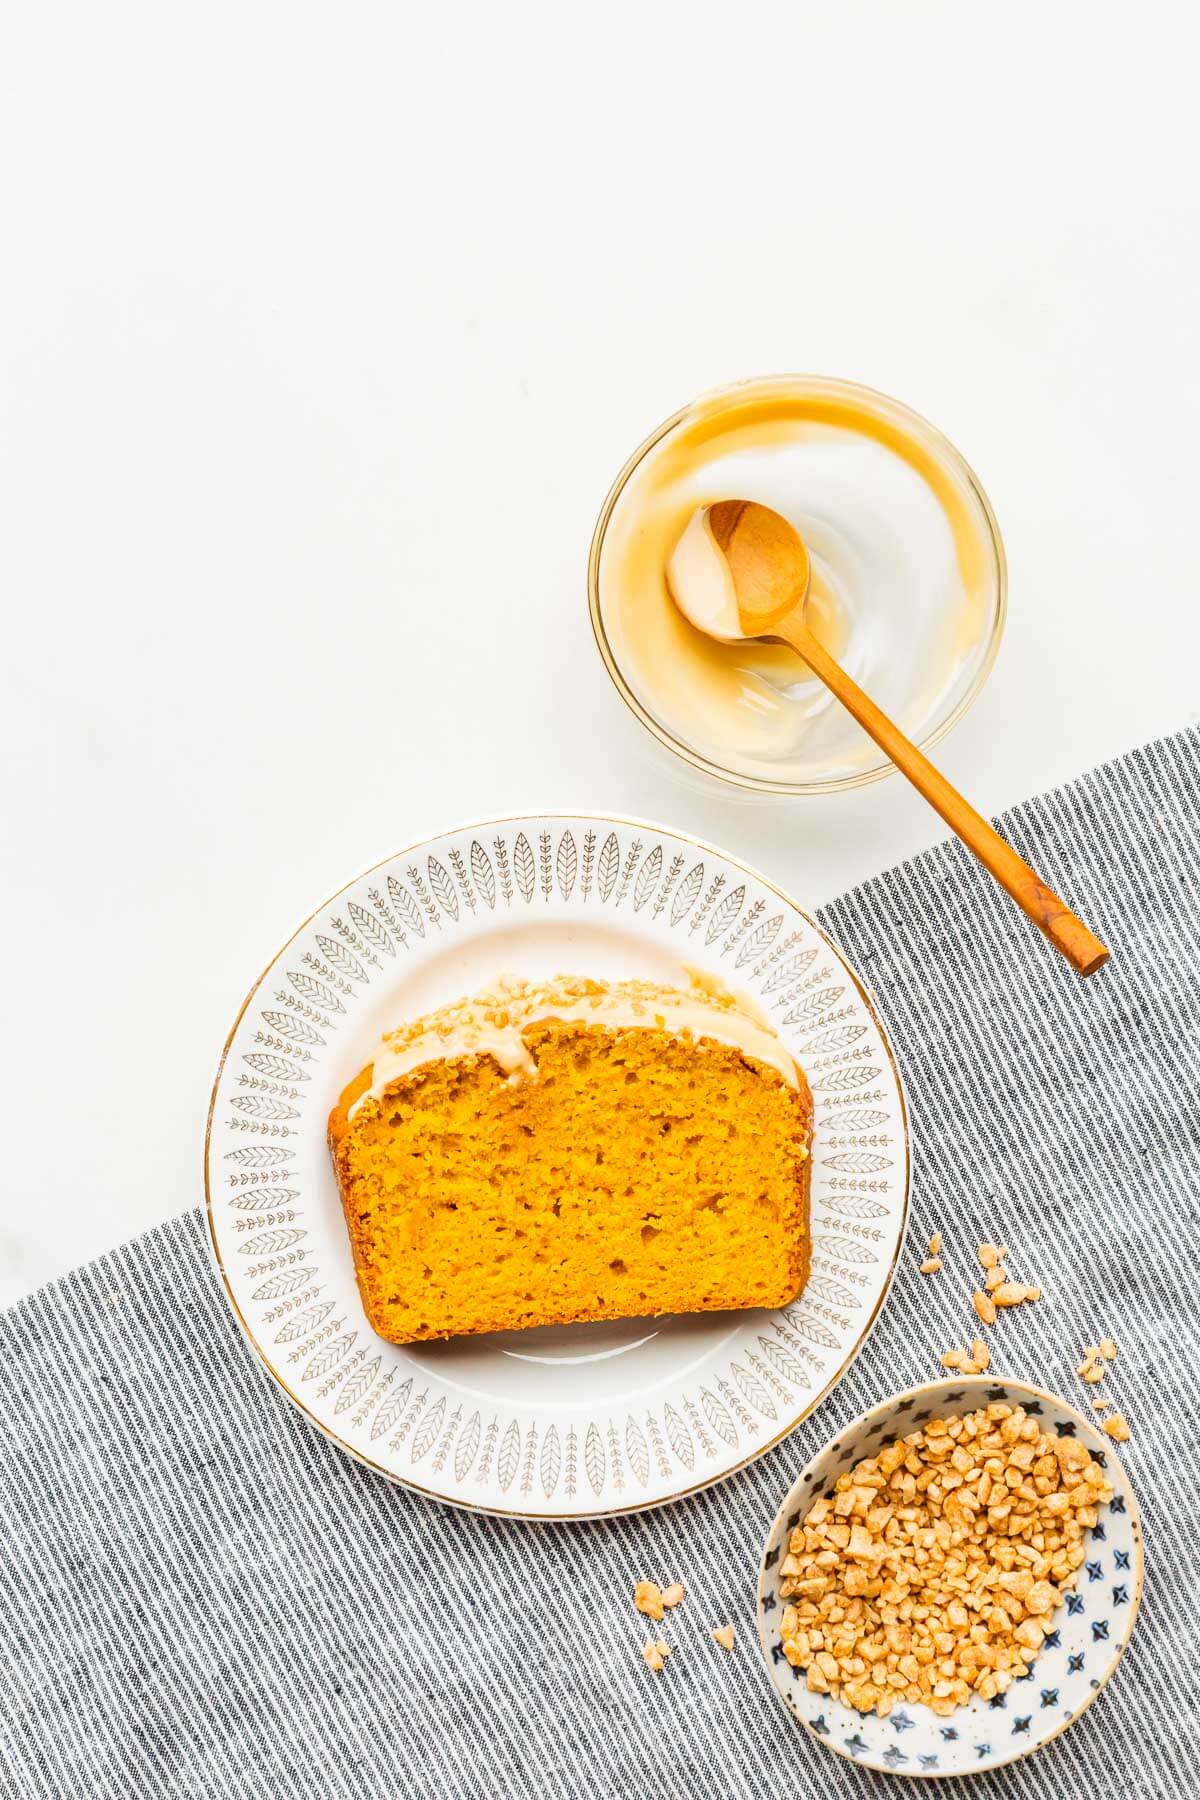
<point>932,1570</point>
<point>648,1598</point>
<point>725,1635</point>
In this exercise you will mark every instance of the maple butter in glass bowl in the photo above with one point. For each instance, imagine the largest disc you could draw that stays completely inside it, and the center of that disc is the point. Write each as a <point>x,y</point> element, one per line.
<point>907,591</point>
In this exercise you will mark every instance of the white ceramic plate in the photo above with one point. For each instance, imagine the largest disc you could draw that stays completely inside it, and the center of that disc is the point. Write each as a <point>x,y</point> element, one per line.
<point>564,1422</point>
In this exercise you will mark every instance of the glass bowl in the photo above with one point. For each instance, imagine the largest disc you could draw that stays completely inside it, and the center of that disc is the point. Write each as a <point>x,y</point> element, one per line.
<point>936,671</point>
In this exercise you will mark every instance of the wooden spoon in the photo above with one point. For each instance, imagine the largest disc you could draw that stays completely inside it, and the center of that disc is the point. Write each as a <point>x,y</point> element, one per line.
<point>741,571</point>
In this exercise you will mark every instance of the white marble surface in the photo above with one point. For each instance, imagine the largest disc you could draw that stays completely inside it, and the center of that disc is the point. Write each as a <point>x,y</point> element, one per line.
<point>321,335</point>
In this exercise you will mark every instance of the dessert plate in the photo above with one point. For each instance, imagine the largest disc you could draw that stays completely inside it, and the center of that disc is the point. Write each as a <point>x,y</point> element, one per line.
<point>566,1421</point>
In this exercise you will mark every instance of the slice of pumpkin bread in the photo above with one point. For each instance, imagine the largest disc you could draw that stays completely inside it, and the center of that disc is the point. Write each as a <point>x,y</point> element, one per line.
<point>570,1150</point>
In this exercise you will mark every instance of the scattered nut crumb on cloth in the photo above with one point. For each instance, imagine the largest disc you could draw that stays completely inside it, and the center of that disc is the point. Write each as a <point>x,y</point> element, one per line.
<point>648,1598</point>
<point>968,1362</point>
<point>1092,1368</point>
<point>997,1289</point>
<point>984,1306</point>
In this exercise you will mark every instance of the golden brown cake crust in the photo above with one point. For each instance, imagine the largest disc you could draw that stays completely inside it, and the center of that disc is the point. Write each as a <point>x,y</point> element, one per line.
<point>636,1172</point>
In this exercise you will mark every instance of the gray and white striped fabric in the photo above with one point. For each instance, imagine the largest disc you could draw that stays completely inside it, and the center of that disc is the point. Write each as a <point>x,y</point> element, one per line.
<point>200,1596</point>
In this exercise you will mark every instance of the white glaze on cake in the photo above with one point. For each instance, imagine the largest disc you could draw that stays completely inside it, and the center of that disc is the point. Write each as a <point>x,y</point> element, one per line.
<point>493,1023</point>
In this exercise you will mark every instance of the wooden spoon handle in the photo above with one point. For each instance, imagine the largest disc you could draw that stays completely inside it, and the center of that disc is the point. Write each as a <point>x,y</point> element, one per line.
<point>1082,949</point>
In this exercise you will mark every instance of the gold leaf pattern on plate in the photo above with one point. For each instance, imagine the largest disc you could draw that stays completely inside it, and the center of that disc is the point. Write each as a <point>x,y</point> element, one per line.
<point>551,1460</point>
<point>593,1458</point>
<point>635,1450</point>
<point>509,1457</point>
<point>443,888</point>
<point>790,971</point>
<point>783,1362</point>
<point>759,941</point>
<point>341,959</point>
<point>329,1357</point>
<point>312,989</point>
<point>288,1025</point>
<point>285,1283</point>
<point>754,1390</point>
<point>269,1243</point>
<point>259,1156</point>
<point>718,1417</point>
<point>689,887</point>
<point>801,1320</point>
<point>391,1409</point>
<point>483,873</point>
<point>839,1037</point>
<point>725,914</point>
<point>566,863</point>
<point>843,1250</point>
<point>852,1206</point>
<point>302,1323</point>
<point>608,866</point>
<point>835,1081</point>
<point>468,1444</point>
<point>406,906</point>
<point>259,1107</point>
<point>428,1429</point>
<point>358,1385</point>
<point>276,1066</point>
<point>648,878</point>
<point>523,866</point>
<point>371,928</point>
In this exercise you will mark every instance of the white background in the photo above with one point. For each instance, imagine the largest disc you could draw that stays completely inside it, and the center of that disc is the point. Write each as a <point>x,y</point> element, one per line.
<point>322,333</point>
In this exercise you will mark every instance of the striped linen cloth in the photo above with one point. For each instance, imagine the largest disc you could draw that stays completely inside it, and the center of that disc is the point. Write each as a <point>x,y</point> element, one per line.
<point>200,1596</point>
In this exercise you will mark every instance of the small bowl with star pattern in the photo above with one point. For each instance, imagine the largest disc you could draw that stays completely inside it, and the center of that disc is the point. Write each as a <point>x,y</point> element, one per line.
<point>1087,1633</point>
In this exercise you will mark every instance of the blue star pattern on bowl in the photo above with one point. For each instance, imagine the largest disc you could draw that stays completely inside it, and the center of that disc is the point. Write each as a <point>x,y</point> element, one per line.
<point>1080,1652</point>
